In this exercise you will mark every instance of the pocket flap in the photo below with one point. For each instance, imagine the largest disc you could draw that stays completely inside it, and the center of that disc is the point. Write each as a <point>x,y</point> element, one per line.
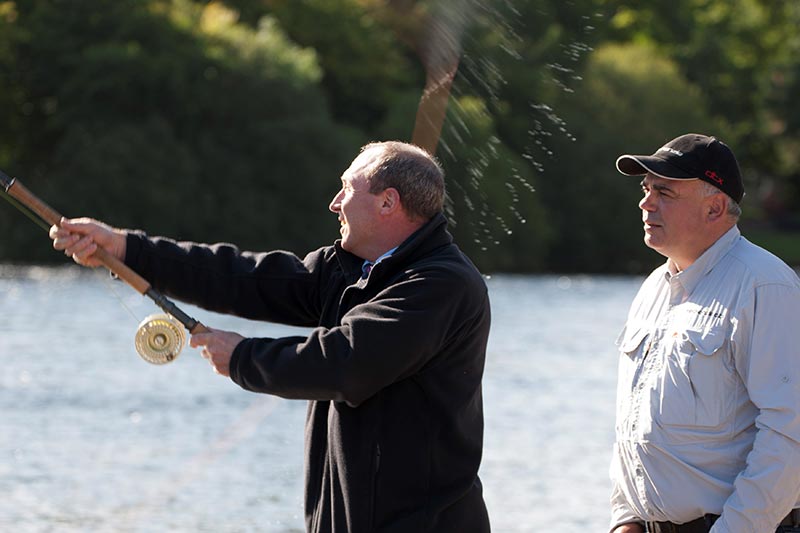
<point>631,337</point>
<point>706,342</point>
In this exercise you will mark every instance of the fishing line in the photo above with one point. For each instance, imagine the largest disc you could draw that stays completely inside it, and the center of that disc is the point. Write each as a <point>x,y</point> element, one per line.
<point>248,421</point>
<point>110,284</point>
<point>159,338</point>
<point>22,209</point>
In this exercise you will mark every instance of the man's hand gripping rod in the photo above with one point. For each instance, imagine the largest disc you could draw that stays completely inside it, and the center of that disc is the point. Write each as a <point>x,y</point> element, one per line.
<point>158,339</point>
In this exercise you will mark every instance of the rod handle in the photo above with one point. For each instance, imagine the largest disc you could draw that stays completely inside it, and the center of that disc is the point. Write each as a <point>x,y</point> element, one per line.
<point>21,193</point>
<point>199,328</point>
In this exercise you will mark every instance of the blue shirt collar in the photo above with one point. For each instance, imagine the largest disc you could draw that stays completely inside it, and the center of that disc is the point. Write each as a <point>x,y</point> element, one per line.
<point>367,265</point>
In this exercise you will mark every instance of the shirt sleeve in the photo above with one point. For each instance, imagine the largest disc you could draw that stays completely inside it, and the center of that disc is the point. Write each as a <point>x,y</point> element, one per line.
<point>769,363</point>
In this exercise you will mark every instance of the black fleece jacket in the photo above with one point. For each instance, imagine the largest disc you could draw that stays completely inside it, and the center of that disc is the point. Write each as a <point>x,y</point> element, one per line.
<point>393,369</point>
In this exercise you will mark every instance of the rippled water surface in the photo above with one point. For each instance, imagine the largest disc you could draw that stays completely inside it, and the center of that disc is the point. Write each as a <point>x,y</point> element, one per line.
<point>92,438</point>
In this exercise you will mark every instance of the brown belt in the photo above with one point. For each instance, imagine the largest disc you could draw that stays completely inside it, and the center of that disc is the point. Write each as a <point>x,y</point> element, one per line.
<point>704,523</point>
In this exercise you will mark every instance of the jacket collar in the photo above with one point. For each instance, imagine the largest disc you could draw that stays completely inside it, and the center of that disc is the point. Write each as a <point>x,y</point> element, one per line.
<point>432,235</point>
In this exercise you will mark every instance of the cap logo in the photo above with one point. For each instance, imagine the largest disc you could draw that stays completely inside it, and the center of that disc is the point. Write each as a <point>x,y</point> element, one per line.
<point>670,150</point>
<point>710,174</point>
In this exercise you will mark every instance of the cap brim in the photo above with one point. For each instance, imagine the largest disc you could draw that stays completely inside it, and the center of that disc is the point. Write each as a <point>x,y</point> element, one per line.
<point>639,165</point>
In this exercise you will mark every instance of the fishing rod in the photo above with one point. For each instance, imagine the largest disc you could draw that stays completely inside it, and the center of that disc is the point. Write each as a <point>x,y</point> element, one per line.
<point>160,337</point>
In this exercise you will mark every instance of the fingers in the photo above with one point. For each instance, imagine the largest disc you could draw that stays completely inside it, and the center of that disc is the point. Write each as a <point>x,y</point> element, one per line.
<point>56,231</point>
<point>66,226</point>
<point>81,250</point>
<point>202,339</point>
<point>62,238</point>
<point>206,354</point>
<point>218,348</point>
<point>83,225</point>
<point>79,238</point>
<point>79,245</point>
<point>65,234</point>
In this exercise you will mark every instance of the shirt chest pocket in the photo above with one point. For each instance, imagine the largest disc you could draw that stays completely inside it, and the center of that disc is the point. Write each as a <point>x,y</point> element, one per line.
<point>631,338</point>
<point>697,385</point>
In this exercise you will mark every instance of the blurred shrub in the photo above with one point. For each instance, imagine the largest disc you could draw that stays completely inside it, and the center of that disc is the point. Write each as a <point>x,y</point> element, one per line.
<point>632,101</point>
<point>365,63</point>
<point>173,117</point>
<point>498,217</point>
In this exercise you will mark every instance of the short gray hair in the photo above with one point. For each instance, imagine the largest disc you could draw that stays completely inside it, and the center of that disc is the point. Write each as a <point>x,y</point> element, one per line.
<point>413,172</point>
<point>733,209</point>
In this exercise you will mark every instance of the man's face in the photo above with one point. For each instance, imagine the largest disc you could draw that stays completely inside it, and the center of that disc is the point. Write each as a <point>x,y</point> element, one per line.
<point>357,208</point>
<point>674,215</point>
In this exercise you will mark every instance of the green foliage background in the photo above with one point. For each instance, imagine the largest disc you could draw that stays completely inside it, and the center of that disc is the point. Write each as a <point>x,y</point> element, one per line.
<point>232,120</point>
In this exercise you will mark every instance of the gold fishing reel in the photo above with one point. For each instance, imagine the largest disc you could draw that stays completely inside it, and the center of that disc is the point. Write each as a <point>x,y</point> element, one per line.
<point>160,338</point>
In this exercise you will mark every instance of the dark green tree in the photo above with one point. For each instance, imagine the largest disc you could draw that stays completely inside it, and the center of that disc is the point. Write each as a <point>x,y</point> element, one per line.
<point>628,103</point>
<point>740,54</point>
<point>174,117</point>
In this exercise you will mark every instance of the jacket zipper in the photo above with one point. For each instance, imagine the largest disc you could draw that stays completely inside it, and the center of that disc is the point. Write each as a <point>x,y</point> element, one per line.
<point>373,492</point>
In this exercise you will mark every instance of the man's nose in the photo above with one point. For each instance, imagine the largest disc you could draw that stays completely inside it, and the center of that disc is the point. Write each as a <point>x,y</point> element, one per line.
<point>336,203</point>
<point>647,203</point>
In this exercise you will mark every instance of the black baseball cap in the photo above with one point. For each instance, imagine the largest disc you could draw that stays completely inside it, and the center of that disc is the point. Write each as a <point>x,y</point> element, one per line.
<point>690,156</point>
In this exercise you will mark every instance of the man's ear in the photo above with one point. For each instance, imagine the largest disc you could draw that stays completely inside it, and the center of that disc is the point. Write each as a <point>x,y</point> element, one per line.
<point>716,207</point>
<point>390,201</point>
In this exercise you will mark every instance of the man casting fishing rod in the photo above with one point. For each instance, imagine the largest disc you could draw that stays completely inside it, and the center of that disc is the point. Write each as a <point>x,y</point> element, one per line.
<point>394,365</point>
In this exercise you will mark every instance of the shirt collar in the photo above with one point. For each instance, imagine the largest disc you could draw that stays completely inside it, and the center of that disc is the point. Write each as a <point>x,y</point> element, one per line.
<point>432,236</point>
<point>378,260</point>
<point>690,277</point>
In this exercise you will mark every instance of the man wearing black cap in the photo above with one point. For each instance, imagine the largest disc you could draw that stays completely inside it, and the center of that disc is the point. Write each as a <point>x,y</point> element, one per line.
<point>707,432</point>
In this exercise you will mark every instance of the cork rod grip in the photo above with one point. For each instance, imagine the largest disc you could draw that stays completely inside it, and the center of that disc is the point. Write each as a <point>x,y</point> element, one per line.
<point>199,328</point>
<point>53,217</point>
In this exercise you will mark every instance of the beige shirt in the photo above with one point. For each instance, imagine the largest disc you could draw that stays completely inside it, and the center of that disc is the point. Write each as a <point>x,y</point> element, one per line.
<point>709,393</point>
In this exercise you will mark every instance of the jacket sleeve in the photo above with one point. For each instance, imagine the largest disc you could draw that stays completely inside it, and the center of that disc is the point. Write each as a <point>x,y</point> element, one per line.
<point>390,337</point>
<point>769,362</point>
<point>275,286</point>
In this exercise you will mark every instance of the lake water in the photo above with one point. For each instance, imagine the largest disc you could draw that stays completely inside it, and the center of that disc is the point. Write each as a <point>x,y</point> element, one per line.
<point>92,438</point>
